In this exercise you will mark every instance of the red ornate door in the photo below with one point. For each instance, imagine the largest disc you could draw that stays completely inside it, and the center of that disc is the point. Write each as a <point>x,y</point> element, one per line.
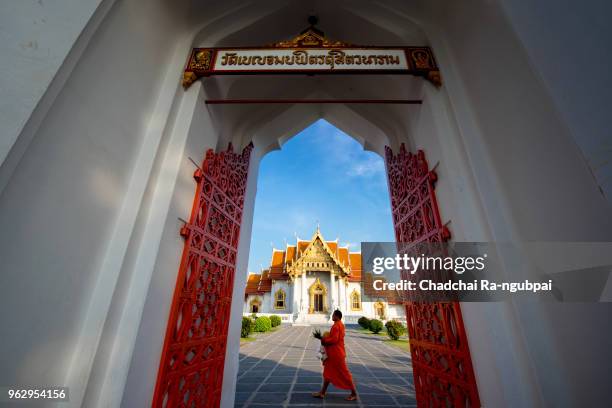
<point>441,362</point>
<point>191,368</point>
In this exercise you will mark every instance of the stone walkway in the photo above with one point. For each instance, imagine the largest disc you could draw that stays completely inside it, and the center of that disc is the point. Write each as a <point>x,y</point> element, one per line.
<point>281,370</point>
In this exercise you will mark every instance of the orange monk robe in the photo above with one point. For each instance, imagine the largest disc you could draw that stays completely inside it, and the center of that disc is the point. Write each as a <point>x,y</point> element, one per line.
<point>335,369</point>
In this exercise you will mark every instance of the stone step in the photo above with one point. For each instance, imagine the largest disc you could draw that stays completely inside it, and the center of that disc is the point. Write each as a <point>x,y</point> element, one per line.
<point>312,319</point>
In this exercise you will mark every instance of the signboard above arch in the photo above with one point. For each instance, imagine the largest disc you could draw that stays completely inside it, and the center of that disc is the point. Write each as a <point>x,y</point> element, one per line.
<point>311,53</point>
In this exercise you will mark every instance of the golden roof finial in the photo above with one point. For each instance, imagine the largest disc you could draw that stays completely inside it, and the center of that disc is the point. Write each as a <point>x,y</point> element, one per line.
<point>311,37</point>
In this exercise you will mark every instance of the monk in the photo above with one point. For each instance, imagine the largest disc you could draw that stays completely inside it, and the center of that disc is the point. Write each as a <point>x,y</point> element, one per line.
<point>335,370</point>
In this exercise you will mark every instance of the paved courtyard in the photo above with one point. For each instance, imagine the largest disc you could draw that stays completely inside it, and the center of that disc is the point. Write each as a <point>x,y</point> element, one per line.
<point>281,370</point>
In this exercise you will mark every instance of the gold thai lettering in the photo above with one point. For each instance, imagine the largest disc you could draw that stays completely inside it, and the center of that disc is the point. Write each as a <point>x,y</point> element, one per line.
<point>301,57</point>
<point>339,56</point>
<point>229,58</point>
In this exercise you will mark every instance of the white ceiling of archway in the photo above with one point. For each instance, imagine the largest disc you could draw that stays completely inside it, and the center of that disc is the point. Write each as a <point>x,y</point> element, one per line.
<point>356,21</point>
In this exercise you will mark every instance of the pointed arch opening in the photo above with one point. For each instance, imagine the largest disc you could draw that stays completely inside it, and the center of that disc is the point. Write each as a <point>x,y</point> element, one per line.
<point>318,298</point>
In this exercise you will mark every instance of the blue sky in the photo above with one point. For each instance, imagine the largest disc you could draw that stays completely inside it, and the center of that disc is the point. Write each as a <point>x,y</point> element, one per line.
<point>323,175</point>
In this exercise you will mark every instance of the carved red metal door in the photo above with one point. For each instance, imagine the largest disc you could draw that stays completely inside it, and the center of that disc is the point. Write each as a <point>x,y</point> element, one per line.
<point>441,362</point>
<point>191,368</point>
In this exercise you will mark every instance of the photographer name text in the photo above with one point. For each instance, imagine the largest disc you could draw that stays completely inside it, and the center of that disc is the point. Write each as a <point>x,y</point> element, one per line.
<point>475,285</point>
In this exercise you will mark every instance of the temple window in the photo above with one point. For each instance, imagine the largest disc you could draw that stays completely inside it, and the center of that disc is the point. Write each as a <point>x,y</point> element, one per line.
<point>279,299</point>
<point>379,310</point>
<point>355,301</point>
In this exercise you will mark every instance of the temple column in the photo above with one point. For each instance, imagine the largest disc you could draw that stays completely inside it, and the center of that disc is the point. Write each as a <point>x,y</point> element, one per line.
<point>342,286</point>
<point>304,298</point>
<point>334,292</point>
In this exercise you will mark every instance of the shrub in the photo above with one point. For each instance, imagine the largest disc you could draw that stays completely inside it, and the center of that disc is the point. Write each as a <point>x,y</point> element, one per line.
<point>376,326</point>
<point>395,329</point>
<point>247,327</point>
<point>263,324</point>
<point>275,320</point>
<point>364,322</point>
<point>254,316</point>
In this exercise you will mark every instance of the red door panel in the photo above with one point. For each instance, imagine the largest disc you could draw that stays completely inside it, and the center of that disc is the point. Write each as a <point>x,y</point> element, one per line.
<point>442,366</point>
<point>191,367</point>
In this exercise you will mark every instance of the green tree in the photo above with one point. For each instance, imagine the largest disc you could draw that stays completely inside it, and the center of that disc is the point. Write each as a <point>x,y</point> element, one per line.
<point>395,329</point>
<point>364,322</point>
<point>275,320</point>
<point>376,326</point>
<point>247,327</point>
<point>263,324</point>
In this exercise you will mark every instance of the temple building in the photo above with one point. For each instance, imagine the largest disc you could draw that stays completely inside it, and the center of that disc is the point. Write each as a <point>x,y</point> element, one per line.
<point>307,281</point>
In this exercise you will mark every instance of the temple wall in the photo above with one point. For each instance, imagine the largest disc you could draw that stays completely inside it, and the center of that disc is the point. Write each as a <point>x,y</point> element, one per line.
<point>160,249</point>
<point>350,316</point>
<point>285,286</point>
<point>556,31</point>
<point>297,295</point>
<point>550,195</point>
<point>72,199</point>
<point>249,300</point>
<point>348,310</point>
<point>28,38</point>
<point>397,312</point>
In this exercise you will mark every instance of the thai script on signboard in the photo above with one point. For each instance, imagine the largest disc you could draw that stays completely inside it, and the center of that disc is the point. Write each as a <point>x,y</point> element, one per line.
<point>316,59</point>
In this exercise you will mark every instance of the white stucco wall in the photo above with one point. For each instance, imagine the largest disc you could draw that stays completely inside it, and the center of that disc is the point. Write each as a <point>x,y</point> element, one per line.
<point>166,249</point>
<point>293,292</point>
<point>568,44</point>
<point>91,159</point>
<point>249,300</point>
<point>297,295</point>
<point>349,289</point>
<point>287,288</point>
<point>36,39</point>
<point>535,203</point>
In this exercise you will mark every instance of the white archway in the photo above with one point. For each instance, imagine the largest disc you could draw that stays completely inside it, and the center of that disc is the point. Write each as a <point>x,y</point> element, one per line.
<point>114,131</point>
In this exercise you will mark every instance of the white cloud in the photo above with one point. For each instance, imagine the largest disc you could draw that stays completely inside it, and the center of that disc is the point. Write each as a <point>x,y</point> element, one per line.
<point>366,167</point>
<point>351,245</point>
<point>339,149</point>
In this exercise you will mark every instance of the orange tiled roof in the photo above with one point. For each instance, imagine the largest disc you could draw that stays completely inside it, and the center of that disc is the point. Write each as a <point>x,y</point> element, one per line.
<point>278,274</point>
<point>278,258</point>
<point>252,284</point>
<point>343,256</point>
<point>355,259</point>
<point>302,245</point>
<point>333,246</point>
<point>265,283</point>
<point>290,253</point>
<point>277,268</point>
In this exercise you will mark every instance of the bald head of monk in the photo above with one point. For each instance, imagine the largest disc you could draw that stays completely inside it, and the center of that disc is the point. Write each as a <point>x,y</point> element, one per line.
<point>337,315</point>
